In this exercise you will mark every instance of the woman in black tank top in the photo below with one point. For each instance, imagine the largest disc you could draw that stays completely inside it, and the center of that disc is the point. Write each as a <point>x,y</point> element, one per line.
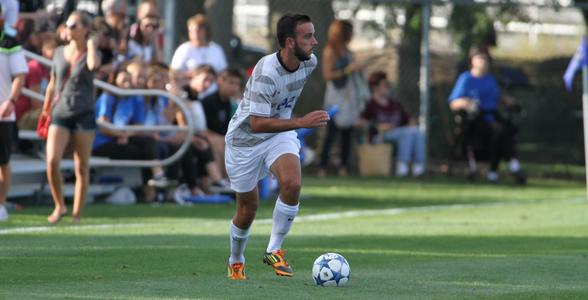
<point>70,102</point>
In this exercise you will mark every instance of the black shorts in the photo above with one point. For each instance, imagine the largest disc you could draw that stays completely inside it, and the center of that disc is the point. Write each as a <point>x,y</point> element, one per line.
<point>6,136</point>
<point>84,122</point>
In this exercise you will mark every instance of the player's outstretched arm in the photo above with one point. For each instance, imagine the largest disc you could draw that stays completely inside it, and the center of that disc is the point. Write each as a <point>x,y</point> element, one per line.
<point>317,118</point>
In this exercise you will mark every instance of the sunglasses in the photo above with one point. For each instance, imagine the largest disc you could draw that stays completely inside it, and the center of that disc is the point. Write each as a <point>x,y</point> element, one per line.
<point>71,26</point>
<point>152,25</point>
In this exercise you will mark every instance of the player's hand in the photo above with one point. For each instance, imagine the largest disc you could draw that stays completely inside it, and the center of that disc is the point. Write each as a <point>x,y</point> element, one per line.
<point>317,118</point>
<point>6,109</point>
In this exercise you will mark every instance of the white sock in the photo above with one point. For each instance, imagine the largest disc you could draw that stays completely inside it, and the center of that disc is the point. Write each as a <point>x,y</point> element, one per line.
<point>514,165</point>
<point>239,239</point>
<point>282,221</point>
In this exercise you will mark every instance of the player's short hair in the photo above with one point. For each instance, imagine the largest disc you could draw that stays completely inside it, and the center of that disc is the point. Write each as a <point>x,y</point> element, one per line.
<point>287,26</point>
<point>375,79</point>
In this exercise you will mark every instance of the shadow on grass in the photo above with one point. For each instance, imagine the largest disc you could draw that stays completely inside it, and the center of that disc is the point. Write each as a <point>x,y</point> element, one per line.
<point>332,195</point>
<point>192,266</point>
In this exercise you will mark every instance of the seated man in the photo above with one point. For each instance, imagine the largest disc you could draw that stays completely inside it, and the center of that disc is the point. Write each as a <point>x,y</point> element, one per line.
<point>218,108</point>
<point>476,96</point>
<point>389,122</point>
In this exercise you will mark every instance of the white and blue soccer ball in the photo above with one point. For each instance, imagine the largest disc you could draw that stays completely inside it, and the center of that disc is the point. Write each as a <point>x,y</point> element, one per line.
<point>331,269</point>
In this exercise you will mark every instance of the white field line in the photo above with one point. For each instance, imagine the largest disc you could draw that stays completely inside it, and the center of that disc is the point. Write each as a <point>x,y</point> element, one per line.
<point>299,219</point>
<point>397,211</point>
<point>39,229</point>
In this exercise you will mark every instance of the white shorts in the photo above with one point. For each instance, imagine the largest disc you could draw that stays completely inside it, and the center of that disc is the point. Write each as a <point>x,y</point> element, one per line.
<point>247,165</point>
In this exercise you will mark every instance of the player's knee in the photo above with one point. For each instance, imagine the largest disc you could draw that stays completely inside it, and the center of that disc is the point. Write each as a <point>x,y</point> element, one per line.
<point>247,213</point>
<point>291,185</point>
<point>247,210</point>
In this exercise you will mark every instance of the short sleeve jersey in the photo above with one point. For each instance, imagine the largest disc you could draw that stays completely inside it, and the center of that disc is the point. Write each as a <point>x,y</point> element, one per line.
<point>11,64</point>
<point>272,92</point>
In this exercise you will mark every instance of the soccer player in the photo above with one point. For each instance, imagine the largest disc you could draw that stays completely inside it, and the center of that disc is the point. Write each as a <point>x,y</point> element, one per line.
<point>261,139</point>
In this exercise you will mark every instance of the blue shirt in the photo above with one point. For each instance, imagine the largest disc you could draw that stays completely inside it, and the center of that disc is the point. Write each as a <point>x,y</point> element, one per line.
<point>129,111</point>
<point>485,89</point>
<point>154,114</point>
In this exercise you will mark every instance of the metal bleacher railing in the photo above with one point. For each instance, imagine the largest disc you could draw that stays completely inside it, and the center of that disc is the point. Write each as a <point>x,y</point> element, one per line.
<point>131,92</point>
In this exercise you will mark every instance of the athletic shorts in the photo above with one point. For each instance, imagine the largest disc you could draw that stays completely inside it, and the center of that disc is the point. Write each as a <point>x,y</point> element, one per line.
<point>6,136</point>
<point>247,165</point>
<point>84,122</point>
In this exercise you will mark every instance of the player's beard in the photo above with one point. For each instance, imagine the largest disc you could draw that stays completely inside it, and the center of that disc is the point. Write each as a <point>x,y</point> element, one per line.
<point>299,53</point>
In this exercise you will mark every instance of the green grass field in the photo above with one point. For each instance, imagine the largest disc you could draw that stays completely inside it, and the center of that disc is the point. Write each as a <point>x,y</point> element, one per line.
<point>435,238</point>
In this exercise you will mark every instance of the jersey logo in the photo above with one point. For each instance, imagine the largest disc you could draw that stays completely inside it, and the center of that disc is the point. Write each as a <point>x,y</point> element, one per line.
<point>286,103</point>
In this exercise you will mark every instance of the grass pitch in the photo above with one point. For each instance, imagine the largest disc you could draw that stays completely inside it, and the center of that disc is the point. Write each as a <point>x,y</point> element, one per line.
<point>404,239</point>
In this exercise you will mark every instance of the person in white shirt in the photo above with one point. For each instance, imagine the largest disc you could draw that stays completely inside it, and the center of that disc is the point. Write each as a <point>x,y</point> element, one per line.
<point>262,139</point>
<point>200,49</point>
<point>13,68</point>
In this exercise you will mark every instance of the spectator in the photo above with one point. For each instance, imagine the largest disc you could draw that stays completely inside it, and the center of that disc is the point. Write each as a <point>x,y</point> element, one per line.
<point>146,38</point>
<point>13,68</point>
<point>115,15</point>
<point>477,95</point>
<point>389,122</point>
<point>143,44</point>
<point>147,8</point>
<point>158,113</point>
<point>338,66</point>
<point>28,110</point>
<point>138,72</point>
<point>107,44</point>
<point>199,50</point>
<point>200,84</point>
<point>116,144</point>
<point>218,111</point>
<point>72,116</point>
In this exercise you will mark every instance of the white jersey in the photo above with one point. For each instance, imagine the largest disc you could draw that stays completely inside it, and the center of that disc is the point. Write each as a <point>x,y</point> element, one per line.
<point>271,91</point>
<point>11,64</point>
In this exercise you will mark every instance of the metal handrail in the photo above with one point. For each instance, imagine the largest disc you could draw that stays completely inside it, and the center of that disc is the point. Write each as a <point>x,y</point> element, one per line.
<point>132,92</point>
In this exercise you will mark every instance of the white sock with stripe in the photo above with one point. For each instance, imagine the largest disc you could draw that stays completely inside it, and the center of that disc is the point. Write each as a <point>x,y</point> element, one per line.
<point>283,218</point>
<point>239,239</point>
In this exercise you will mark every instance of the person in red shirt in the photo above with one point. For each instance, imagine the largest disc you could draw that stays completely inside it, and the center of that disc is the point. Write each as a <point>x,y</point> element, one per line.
<point>28,110</point>
<point>389,122</point>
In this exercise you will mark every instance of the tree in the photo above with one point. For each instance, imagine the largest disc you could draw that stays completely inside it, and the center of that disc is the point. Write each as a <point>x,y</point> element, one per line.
<point>220,15</point>
<point>321,13</point>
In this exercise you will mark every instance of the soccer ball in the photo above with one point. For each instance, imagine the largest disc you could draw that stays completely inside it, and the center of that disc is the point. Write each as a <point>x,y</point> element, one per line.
<point>331,269</point>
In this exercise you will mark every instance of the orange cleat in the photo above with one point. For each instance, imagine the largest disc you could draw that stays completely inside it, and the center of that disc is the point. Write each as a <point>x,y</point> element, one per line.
<point>276,260</point>
<point>237,271</point>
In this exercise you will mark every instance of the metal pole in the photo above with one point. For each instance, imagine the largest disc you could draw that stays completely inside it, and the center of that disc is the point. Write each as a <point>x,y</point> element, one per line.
<point>585,118</point>
<point>169,43</point>
<point>424,75</point>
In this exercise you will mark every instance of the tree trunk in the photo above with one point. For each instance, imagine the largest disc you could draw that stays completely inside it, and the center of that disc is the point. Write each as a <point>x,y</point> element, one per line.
<point>321,14</point>
<point>186,9</point>
<point>409,57</point>
<point>220,15</point>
